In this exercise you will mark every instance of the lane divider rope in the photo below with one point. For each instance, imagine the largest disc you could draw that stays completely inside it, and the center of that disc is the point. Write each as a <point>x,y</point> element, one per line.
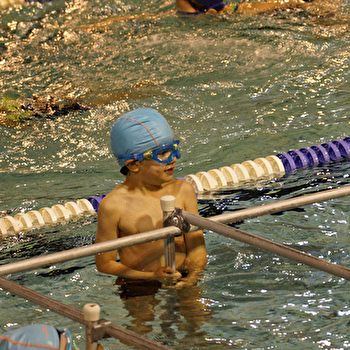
<point>274,166</point>
<point>45,217</point>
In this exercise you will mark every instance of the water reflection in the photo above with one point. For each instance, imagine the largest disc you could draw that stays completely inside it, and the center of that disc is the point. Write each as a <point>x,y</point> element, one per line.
<point>179,313</point>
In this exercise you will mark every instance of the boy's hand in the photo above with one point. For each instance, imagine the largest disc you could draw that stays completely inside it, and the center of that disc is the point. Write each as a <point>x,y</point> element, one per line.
<point>188,281</point>
<point>167,276</point>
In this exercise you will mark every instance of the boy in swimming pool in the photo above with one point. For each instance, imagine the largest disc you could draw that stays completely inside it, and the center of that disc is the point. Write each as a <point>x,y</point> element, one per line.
<point>144,145</point>
<point>218,6</point>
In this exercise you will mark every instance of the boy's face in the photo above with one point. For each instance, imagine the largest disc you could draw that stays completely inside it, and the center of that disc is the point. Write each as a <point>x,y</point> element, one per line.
<point>157,165</point>
<point>156,172</point>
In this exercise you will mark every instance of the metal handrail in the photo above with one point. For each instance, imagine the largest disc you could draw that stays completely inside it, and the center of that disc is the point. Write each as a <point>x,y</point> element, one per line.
<point>104,328</point>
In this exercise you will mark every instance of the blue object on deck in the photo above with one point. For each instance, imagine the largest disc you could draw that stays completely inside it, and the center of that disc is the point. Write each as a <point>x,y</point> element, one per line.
<point>34,337</point>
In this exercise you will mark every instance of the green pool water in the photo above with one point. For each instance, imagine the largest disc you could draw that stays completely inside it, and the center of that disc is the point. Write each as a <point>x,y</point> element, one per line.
<point>233,88</point>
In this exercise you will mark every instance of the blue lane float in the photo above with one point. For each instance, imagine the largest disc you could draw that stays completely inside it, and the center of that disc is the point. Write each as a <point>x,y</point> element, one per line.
<point>288,161</point>
<point>311,156</point>
<point>316,155</point>
<point>299,158</point>
<point>274,166</point>
<point>96,200</point>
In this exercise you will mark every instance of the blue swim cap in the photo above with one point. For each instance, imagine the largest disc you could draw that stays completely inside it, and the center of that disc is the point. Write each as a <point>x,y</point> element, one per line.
<point>139,131</point>
<point>34,337</point>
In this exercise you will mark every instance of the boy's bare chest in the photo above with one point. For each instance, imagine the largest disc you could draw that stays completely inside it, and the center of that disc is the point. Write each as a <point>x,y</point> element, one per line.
<point>140,215</point>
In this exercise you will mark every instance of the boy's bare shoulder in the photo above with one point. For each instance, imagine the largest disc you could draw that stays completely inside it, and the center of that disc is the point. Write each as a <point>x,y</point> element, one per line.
<point>114,198</point>
<point>184,186</point>
<point>185,195</point>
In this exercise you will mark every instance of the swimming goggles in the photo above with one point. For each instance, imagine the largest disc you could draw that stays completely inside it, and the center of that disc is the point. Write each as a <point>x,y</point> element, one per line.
<point>164,154</point>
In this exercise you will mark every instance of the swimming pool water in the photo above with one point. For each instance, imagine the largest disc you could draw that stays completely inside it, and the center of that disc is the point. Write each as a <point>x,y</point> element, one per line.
<point>233,88</point>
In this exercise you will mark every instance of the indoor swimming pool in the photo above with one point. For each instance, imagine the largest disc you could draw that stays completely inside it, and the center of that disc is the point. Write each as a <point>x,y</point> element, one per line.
<point>233,88</point>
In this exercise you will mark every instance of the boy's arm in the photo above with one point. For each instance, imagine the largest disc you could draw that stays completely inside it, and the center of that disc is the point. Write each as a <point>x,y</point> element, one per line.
<point>196,258</point>
<point>196,253</point>
<point>107,229</point>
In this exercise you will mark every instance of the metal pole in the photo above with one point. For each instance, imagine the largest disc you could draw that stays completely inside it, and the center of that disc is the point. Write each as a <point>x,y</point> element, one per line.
<point>76,253</point>
<point>111,330</point>
<point>265,244</point>
<point>91,316</point>
<point>282,205</point>
<point>43,300</point>
<point>168,205</point>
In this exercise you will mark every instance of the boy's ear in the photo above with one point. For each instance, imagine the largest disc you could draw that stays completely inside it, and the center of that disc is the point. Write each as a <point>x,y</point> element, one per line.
<point>133,165</point>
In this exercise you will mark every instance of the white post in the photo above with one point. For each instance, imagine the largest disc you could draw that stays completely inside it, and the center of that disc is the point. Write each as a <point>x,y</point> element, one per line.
<point>168,204</point>
<point>91,316</point>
